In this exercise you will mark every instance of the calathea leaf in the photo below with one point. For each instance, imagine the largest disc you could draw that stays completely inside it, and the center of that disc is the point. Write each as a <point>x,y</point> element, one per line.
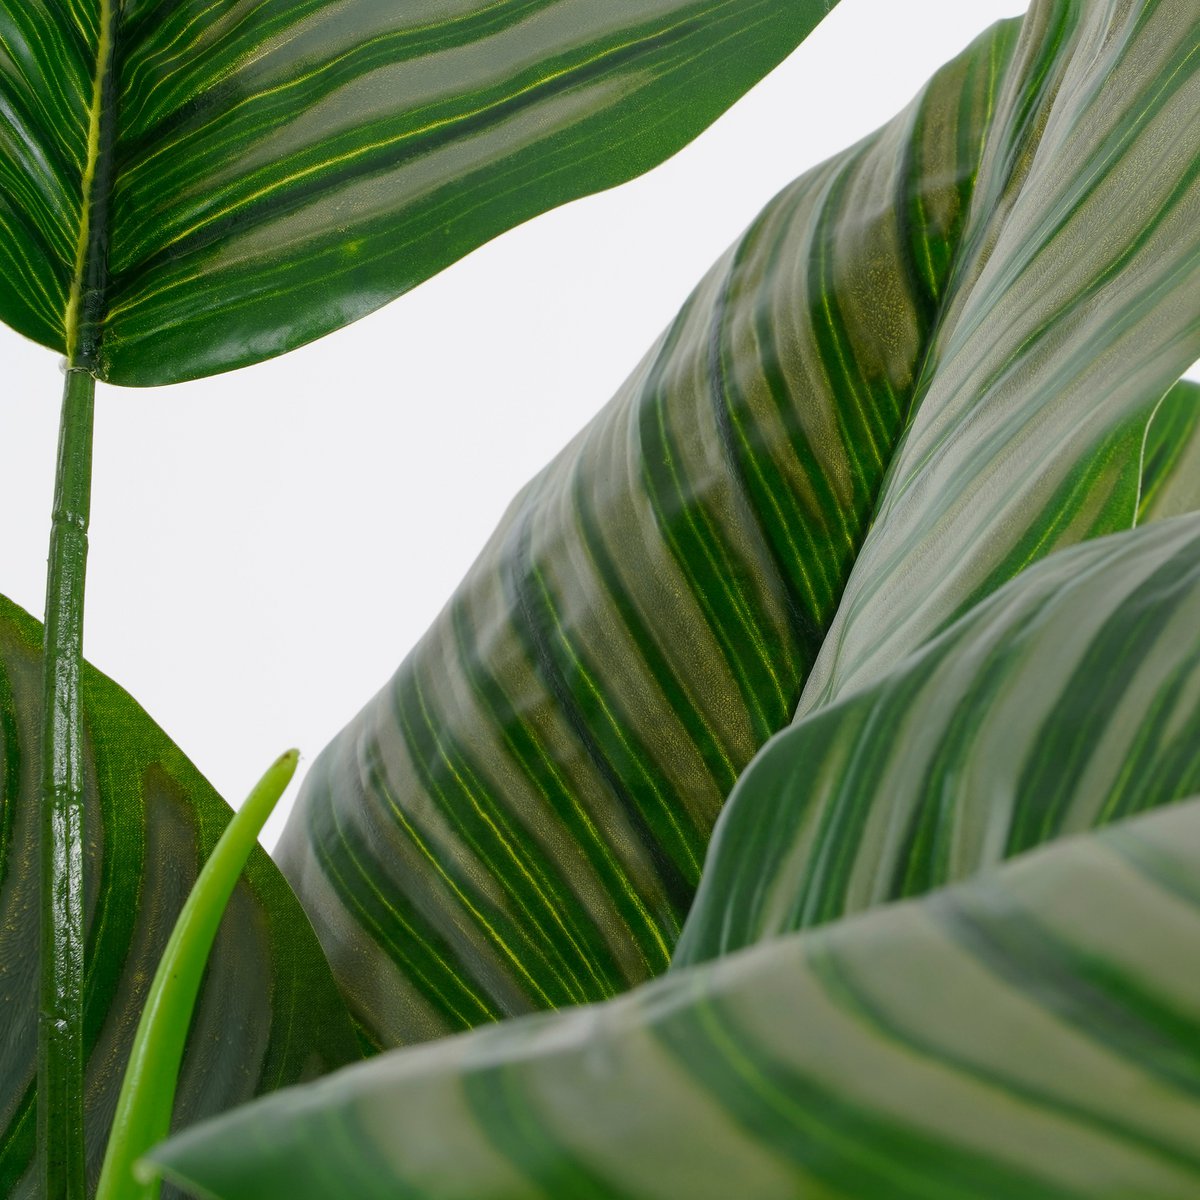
<point>1069,699</point>
<point>1076,297</point>
<point>269,1013</point>
<point>1031,1035</point>
<point>190,187</point>
<point>974,313</point>
<point>1031,1032</point>
<point>518,820</point>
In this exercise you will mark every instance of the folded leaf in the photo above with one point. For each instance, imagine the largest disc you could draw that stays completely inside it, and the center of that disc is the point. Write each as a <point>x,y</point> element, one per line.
<point>1032,1035</point>
<point>1069,699</point>
<point>518,820</point>
<point>975,312</point>
<point>1076,297</point>
<point>269,1013</point>
<point>190,187</point>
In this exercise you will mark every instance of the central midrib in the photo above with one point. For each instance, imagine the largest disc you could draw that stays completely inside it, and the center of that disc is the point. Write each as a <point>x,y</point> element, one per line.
<point>84,315</point>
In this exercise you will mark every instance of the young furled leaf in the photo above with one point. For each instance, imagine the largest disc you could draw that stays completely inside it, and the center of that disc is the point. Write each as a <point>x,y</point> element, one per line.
<point>1171,457</point>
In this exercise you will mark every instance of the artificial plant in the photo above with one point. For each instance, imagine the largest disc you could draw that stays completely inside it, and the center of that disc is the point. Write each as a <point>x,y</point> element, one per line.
<point>929,363</point>
<point>933,362</point>
<point>187,188</point>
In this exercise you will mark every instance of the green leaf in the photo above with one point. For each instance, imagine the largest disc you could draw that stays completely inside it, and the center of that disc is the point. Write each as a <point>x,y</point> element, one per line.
<point>191,187</point>
<point>518,821</point>
<point>268,1015</point>
<point>942,349</point>
<point>1076,298</point>
<point>1032,1035</point>
<point>1070,699</point>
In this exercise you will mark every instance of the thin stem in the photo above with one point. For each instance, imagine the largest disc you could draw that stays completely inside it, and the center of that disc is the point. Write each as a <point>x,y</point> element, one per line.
<point>60,1018</point>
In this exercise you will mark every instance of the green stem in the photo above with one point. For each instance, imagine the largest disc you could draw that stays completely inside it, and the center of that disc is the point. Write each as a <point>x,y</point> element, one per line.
<point>60,1017</point>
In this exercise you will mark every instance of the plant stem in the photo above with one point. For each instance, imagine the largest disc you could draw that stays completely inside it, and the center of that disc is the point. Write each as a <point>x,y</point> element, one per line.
<point>60,1017</point>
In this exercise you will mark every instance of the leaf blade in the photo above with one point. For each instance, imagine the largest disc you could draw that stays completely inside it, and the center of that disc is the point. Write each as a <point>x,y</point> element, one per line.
<point>275,172</point>
<point>556,750</point>
<point>858,373</point>
<point>818,1063</point>
<point>1074,313</point>
<point>1064,702</point>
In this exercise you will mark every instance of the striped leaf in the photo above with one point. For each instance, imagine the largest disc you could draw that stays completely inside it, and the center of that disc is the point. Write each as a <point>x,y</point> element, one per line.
<point>193,186</point>
<point>931,361</point>
<point>1070,699</point>
<point>269,1014</point>
<point>519,819</point>
<point>1076,297</point>
<point>1032,1035</point>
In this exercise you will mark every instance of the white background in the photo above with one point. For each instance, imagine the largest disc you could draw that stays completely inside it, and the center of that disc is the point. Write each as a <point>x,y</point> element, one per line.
<point>268,545</point>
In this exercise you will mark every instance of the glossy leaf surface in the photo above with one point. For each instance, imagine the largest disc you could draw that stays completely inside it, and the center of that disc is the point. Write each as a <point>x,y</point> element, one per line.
<point>1077,296</point>
<point>1031,1035</point>
<point>1069,699</point>
<point>518,821</point>
<point>269,1013</point>
<point>955,336</point>
<point>190,187</point>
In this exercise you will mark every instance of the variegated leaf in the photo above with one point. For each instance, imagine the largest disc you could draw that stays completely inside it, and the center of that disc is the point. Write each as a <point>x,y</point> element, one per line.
<point>1076,297</point>
<point>518,820</point>
<point>193,186</point>
<point>1068,700</point>
<point>943,349</point>
<point>1031,1035</point>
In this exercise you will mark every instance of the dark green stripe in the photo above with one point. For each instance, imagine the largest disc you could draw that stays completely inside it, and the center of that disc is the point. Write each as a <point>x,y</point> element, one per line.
<point>1091,698</point>
<point>1094,996</point>
<point>850,997</point>
<point>843,1145</point>
<point>644,796</point>
<point>452,780</point>
<point>510,1120</point>
<point>394,925</point>
<point>536,762</point>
